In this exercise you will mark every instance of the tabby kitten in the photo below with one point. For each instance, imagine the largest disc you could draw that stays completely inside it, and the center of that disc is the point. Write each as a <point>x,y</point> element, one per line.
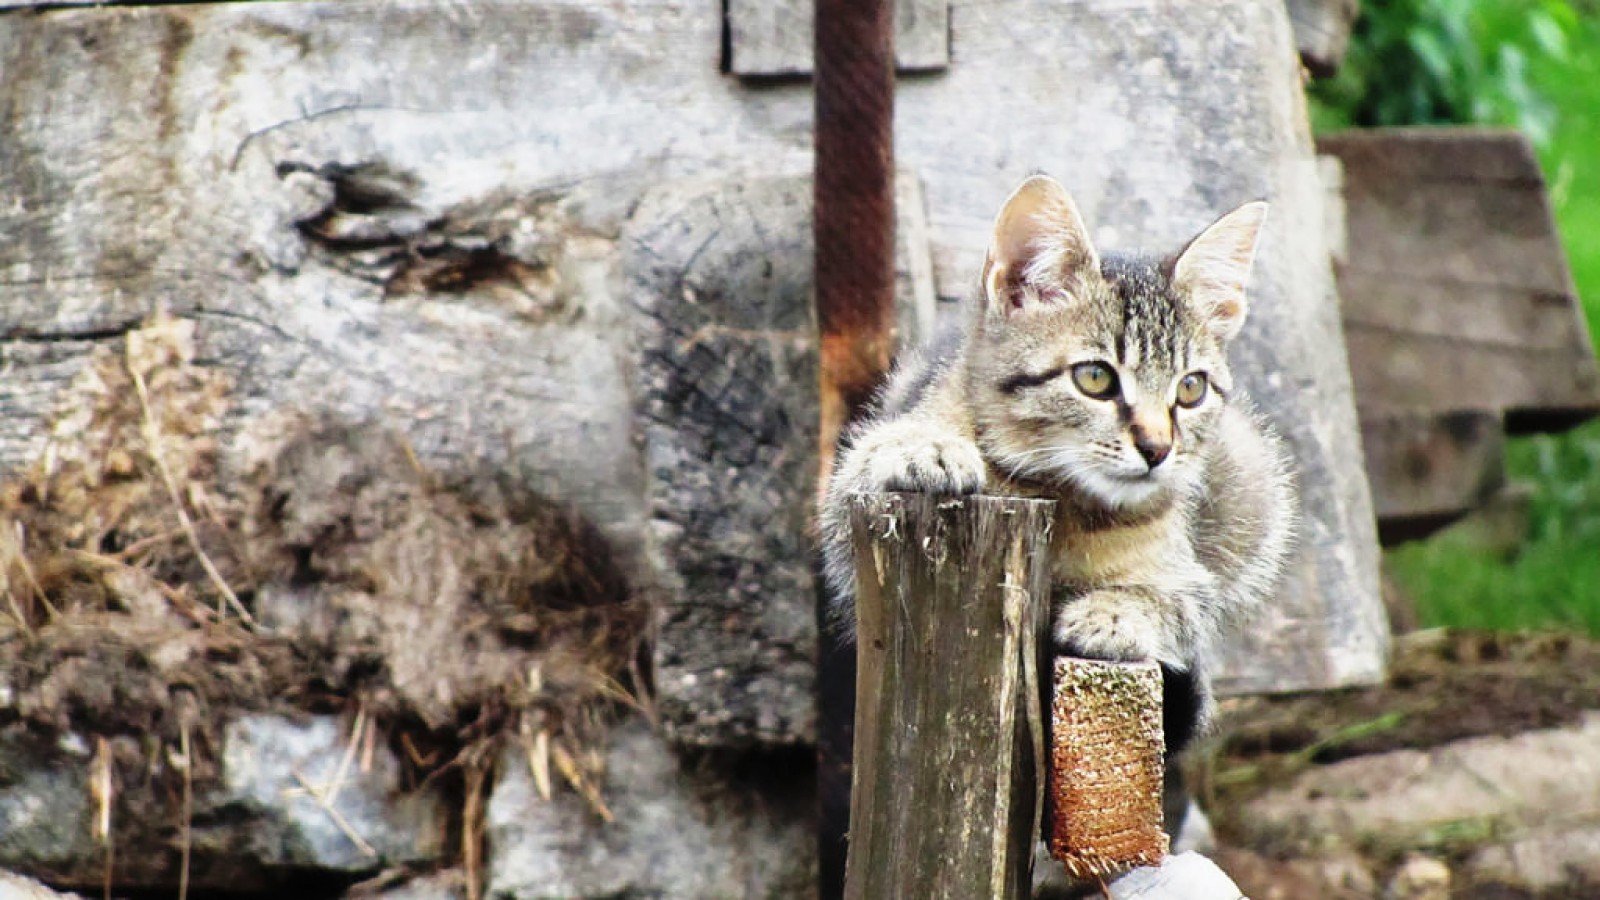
<point>1101,383</point>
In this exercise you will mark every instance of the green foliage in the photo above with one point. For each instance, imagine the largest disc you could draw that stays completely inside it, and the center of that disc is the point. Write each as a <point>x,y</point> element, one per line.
<point>1418,62</point>
<point>1533,65</point>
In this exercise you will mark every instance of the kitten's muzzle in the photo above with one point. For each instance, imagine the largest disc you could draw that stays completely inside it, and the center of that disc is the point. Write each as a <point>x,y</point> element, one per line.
<point>1153,450</point>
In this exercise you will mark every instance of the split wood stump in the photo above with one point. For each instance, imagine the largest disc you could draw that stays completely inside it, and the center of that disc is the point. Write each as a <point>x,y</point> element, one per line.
<point>951,598</point>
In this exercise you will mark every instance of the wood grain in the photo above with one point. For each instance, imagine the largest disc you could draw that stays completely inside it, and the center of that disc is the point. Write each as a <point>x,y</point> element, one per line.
<point>952,595</point>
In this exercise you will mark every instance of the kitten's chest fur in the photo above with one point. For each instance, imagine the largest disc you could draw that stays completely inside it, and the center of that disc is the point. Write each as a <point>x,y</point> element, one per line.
<point>1092,547</point>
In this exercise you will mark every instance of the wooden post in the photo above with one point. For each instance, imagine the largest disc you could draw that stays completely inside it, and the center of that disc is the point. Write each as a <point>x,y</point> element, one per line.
<point>951,598</point>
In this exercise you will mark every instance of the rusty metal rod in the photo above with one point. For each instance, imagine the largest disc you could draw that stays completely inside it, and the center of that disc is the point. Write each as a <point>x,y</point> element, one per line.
<point>854,196</point>
<point>853,226</point>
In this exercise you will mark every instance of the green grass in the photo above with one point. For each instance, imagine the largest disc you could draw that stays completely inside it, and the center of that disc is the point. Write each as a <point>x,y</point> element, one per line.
<point>1550,87</point>
<point>1553,581</point>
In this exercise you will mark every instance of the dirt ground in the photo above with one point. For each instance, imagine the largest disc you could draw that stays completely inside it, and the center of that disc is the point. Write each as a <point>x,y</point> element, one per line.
<point>1445,686</point>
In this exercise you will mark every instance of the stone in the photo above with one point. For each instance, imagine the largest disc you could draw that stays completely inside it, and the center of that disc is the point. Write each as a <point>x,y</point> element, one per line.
<point>448,884</point>
<point>45,807</point>
<point>1263,877</point>
<point>269,763</point>
<point>679,830</point>
<point>1419,878</point>
<point>251,827</point>
<point>1460,793</point>
<point>1540,860</point>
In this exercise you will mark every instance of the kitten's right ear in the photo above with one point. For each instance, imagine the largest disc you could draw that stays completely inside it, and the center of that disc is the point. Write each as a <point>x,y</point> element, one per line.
<point>1040,251</point>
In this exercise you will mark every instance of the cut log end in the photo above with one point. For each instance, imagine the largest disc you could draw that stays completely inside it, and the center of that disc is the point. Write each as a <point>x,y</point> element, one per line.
<point>1105,781</point>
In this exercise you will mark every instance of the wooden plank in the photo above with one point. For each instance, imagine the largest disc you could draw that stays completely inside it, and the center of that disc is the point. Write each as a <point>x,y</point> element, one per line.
<point>1456,290</point>
<point>1322,32</point>
<point>774,38</point>
<point>1400,370</point>
<point>952,596</point>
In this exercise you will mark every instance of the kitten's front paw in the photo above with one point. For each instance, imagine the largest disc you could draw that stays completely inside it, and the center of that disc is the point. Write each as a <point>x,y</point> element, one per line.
<point>1111,624</point>
<point>935,464</point>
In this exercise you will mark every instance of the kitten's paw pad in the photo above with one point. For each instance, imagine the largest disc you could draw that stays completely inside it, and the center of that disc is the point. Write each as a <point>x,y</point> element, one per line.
<point>1096,630</point>
<point>941,465</point>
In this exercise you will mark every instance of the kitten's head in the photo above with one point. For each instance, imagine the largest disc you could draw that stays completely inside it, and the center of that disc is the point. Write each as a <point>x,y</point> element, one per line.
<point>1107,374</point>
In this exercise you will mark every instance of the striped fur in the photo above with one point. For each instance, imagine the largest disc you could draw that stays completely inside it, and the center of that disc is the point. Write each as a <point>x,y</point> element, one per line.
<point>1174,519</point>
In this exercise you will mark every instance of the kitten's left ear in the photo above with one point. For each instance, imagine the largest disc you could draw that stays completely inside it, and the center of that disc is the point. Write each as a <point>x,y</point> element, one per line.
<point>1211,273</point>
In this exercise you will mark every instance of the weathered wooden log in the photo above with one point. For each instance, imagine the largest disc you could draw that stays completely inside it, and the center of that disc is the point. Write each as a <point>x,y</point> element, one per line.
<point>1103,799</point>
<point>368,209</point>
<point>951,599</point>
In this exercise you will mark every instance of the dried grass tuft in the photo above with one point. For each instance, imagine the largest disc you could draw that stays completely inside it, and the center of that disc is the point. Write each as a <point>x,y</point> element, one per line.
<point>132,576</point>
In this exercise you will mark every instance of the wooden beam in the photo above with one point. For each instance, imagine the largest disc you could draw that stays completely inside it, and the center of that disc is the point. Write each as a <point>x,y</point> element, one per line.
<point>951,598</point>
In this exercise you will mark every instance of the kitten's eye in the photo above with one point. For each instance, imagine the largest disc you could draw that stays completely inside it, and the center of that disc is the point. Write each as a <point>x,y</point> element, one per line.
<point>1192,390</point>
<point>1095,379</point>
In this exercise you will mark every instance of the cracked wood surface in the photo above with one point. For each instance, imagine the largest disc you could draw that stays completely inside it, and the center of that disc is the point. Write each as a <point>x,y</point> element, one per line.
<point>414,211</point>
<point>951,724</point>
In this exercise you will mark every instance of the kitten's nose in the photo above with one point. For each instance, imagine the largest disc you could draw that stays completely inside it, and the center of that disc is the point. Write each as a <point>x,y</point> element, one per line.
<point>1153,449</point>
